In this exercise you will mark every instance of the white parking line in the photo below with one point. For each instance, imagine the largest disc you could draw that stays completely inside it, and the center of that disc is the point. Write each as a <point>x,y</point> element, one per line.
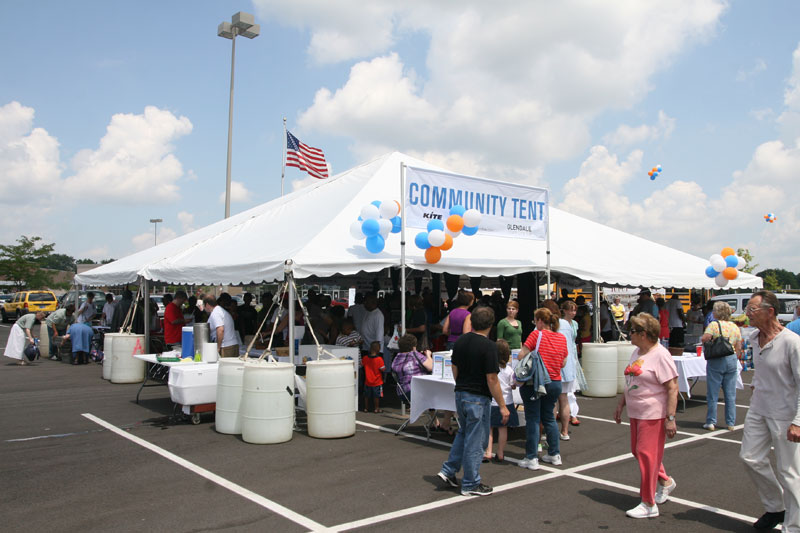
<point>222,482</point>
<point>552,473</point>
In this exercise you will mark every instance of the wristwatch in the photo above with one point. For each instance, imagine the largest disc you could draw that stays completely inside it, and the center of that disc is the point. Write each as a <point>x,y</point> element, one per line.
<point>671,418</point>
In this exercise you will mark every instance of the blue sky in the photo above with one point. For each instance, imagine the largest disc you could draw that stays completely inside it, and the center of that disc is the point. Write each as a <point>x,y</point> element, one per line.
<point>113,113</point>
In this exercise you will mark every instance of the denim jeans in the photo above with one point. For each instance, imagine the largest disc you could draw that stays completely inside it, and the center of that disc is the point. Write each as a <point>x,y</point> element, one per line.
<point>540,410</point>
<point>471,440</point>
<point>721,371</point>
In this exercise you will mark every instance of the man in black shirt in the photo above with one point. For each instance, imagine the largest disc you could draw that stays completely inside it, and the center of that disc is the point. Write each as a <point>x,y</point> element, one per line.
<point>475,370</point>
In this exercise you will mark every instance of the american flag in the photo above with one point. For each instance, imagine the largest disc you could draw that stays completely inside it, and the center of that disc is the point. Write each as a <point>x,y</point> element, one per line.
<point>305,157</point>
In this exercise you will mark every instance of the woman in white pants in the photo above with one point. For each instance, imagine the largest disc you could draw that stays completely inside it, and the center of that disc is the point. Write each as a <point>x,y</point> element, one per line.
<point>20,335</point>
<point>568,373</point>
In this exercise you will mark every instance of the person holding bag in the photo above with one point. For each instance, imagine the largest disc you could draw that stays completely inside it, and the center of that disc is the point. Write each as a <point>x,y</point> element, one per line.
<point>721,370</point>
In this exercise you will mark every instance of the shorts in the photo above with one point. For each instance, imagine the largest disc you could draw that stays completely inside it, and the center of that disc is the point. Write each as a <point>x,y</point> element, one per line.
<point>373,392</point>
<point>496,420</point>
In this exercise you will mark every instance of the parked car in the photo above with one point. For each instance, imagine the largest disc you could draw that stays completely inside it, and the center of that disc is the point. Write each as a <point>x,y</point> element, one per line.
<point>159,300</point>
<point>787,303</point>
<point>69,298</point>
<point>3,299</point>
<point>28,302</point>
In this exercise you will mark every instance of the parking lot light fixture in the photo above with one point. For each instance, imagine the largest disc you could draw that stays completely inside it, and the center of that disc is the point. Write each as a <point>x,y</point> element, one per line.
<point>241,24</point>
<point>155,222</point>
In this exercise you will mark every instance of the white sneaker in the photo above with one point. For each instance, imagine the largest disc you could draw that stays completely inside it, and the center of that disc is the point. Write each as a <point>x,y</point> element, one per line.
<point>554,460</point>
<point>643,511</point>
<point>563,437</point>
<point>662,492</point>
<point>709,427</point>
<point>530,464</point>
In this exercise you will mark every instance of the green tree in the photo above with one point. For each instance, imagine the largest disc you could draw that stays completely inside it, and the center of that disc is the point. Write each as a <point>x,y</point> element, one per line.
<point>107,261</point>
<point>770,281</point>
<point>745,254</point>
<point>59,262</point>
<point>20,262</point>
<point>84,262</point>
<point>782,277</point>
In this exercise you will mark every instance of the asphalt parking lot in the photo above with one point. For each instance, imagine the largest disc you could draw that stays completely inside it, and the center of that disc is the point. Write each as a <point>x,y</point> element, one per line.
<point>78,454</point>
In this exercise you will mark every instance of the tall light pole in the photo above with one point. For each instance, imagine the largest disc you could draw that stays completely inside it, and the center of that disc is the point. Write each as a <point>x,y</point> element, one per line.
<point>155,222</point>
<point>241,24</point>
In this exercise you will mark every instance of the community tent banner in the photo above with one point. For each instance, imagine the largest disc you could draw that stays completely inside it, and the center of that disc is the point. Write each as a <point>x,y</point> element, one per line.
<point>509,210</point>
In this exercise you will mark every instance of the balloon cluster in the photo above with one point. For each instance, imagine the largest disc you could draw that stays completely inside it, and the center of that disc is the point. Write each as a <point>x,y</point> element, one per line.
<point>655,172</point>
<point>725,266</point>
<point>769,217</point>
<point>376,221</point>
<point>440,234</point>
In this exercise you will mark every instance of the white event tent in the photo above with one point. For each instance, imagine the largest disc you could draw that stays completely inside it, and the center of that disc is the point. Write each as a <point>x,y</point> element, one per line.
<point>310,227</point>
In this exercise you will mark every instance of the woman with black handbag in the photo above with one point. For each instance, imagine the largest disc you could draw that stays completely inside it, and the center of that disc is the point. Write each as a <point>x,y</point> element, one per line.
<point>721,369</point>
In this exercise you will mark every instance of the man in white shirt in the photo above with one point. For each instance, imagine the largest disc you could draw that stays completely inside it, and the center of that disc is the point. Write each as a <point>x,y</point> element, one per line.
<point>677,320</point>
<point>108,311</point>
<point>773,420</point>
<point>372,324</point>
<point>357,311</point>
<point>86,311</point>
<point>221,328</point>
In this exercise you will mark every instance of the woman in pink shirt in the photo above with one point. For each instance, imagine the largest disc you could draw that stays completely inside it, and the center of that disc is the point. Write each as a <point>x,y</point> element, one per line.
<point>651,395</point>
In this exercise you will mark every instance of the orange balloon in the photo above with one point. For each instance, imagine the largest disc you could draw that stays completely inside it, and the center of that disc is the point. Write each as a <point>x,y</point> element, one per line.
<point>730,273</point>
<point>726,252</point>
<point>455,223</point>
<point>448,242</point>
<point>433,254</point>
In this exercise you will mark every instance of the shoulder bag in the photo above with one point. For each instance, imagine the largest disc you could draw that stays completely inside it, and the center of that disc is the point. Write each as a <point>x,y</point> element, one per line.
<point>525,368</point>
<point>718,347</point>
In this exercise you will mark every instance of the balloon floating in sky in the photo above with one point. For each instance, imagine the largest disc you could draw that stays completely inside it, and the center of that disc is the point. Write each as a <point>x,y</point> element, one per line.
<point>376,221</point>
<point>725,266</point>
<point>769,217</point>
<point>654,172</point>
<point>440,234</point>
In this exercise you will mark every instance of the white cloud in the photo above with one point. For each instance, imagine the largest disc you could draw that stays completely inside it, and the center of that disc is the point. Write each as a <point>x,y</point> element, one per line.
<point>626,135</point>
<point>239,193</point>
<point>789,120</point>
<point>187,221</point>
<point>526,98</point>
<point>135,160</point>
<point>762,114</point>
<point>147,239</point>
<point>759,66</point>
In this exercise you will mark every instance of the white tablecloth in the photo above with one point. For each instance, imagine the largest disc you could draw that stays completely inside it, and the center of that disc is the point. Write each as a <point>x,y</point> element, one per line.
<point>690,366</point>
<point>429,392</point>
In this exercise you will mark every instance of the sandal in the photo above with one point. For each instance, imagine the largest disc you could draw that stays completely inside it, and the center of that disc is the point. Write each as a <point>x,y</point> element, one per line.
<point>486,459</point>
<point>378,411</point>
<point>498,460</point>
<point>574,421</point>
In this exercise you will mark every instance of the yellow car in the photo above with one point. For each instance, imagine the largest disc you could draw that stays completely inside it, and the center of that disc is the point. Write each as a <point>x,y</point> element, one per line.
<point>28,302</point>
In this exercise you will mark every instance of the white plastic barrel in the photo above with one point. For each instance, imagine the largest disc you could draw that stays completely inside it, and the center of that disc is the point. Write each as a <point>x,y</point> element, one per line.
<point>267,402</point>
<point>125,368</point>
<point>330,398</point>
<point>228,418</point>
<point>599,361</point>
<point>108,352</point>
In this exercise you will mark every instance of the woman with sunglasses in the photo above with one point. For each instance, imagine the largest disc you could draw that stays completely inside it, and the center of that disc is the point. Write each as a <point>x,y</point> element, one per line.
<point>651,396</point>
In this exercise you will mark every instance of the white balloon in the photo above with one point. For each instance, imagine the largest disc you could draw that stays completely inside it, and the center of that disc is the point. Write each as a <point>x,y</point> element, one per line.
<point>355,230</point>
<point>389,208</point>
<point>386,227</point>
<point>453,234</point>
<point>436,237</point>
<point>742,263</point>
<point>472,218</point>
<point>717,262</point>
<point>721,280</point>
<point>370,211</point>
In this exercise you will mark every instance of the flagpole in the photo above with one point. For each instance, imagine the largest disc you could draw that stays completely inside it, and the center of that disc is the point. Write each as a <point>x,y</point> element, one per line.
<point>283,155</point>
<point>402,248</point>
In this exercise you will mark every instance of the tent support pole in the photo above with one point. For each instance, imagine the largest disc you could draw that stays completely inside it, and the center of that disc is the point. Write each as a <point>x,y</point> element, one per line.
<point>402,249</point>
<point>547,266</point>
<point>146,291</point>
<point>292,296</point>
<point>596,311</point>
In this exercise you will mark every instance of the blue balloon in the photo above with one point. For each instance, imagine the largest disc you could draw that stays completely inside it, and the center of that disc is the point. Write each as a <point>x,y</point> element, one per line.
<point>469,231</point>
<point>732,261</point>
<point>421,240</point>
<point>435,224</point>
<point>710,272</point>
<point>376,203</point>
<point>370,227</point>
<point>375,244</point>
<point>396,222</point>
<point>653,177</point>
<point>457,210</point>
